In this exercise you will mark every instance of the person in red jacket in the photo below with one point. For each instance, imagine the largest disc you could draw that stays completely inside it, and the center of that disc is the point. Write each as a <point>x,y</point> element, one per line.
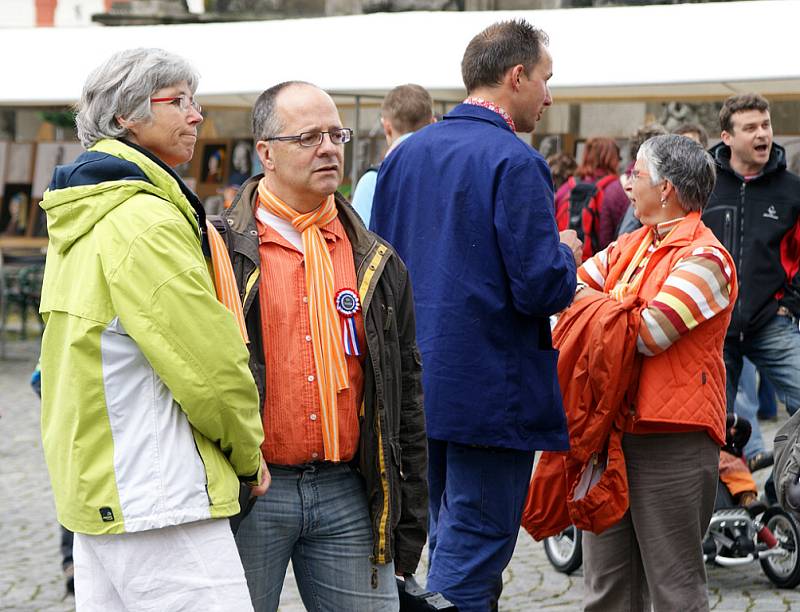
<point>675,426</point>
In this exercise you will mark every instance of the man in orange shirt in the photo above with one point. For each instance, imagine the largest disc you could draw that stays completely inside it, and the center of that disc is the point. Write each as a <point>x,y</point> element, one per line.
<point>330,317</point>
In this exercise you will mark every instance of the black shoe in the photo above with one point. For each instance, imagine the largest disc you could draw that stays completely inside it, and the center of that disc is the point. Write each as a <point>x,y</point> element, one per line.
<point>761,460</point>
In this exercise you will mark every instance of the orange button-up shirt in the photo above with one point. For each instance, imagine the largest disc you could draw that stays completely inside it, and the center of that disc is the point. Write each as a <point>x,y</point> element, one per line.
<point>292,415</point>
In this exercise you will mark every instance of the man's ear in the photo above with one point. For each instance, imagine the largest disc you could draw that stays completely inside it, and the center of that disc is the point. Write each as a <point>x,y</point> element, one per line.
<point>388,130</point>
<point>263,151</point>
<point>727,137</point>
<point>513,75</point>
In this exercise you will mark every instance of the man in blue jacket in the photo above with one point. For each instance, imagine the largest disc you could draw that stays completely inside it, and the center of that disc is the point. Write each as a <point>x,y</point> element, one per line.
<point>469,207</point>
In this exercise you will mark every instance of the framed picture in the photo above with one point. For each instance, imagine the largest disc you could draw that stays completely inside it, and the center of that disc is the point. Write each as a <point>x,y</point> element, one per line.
<point>19,167</point>
<point>214,158</point>
<point>15,209</point>
<point>48,156</point>
<point>241,166</point>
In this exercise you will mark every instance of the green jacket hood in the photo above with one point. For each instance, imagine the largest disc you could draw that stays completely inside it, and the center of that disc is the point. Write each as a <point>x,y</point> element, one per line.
<point>102,178</point>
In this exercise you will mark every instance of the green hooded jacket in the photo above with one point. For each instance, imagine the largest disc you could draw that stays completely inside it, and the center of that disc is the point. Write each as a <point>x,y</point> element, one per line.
<point>150,416</point>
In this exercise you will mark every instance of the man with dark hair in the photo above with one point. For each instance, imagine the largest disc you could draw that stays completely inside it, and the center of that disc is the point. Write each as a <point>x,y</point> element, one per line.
<point>469,206</point>
<point>405,110</point>
<point>754,211</point>
<point>330,318</point>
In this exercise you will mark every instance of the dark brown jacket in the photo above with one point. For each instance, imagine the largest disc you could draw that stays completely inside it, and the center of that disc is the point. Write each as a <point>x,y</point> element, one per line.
<point>392,455</point>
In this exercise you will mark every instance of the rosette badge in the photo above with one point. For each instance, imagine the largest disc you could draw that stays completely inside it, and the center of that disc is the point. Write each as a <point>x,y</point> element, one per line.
<point>348,304</point>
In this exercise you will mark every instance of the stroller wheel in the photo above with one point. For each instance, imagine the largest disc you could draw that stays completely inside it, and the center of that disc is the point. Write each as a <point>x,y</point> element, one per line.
<point>564,551</point>
<point>783,569</point>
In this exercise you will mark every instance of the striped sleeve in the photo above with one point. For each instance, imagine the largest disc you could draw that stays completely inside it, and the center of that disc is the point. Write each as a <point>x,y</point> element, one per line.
<point>593,271</point>
<point>697,288</point>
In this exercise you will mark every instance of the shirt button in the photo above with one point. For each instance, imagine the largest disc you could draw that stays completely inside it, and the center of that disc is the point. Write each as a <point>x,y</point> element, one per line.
<point>305,299</point>
<point>313,417</point>
<point>310,378</point>
<point>314,455</point>
<point>308,338</point>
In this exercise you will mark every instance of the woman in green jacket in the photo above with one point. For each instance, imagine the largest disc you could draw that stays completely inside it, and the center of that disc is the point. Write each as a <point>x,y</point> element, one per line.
<point>150,415</point>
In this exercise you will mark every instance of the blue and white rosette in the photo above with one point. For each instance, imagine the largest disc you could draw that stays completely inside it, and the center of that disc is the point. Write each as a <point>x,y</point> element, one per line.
<point>348,304</point>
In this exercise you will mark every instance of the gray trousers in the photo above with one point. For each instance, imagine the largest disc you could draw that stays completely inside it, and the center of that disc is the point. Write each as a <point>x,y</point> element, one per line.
<point>653,555</point>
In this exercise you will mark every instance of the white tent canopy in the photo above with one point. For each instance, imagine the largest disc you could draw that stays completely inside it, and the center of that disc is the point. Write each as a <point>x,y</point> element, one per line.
<point>682,52</point>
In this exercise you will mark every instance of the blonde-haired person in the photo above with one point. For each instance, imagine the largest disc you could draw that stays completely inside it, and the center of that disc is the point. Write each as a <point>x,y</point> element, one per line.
<point>405,110</point>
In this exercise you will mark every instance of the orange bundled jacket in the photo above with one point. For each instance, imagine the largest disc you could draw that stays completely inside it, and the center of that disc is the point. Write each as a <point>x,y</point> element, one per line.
<point>598,369</point>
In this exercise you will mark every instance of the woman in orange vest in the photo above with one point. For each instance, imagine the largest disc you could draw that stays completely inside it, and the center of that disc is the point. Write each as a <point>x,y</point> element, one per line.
<point>675,427</point>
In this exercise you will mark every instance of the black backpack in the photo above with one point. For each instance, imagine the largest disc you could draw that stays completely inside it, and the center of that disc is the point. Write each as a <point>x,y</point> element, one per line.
<point>580,211</point>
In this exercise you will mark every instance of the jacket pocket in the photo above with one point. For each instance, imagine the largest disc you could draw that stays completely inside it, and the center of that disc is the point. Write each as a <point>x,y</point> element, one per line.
<point>397,456</point>
<point>388,318</point>
<point>541,409</point>
<point>722,220</point>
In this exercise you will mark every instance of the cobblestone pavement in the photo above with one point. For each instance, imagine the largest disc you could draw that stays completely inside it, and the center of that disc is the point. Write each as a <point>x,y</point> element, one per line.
<point>30,569</point>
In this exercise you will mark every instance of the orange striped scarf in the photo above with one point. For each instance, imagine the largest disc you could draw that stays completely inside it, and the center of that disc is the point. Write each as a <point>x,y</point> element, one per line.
<point>224,279</point>
<point>624,286</point>
<point>325,327</point>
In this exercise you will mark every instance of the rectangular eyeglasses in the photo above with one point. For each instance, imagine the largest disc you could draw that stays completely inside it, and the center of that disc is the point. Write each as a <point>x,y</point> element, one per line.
<point>314,139</point>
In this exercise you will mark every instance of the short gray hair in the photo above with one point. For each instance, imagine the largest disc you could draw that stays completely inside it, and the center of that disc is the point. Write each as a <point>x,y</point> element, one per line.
<point>266,123</point>
<point>122,87</point>
<point>685,164</point>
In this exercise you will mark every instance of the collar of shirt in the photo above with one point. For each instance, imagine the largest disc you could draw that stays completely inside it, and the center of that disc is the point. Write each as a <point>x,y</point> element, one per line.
<point>662,229</point>
<point>492,107</point>
<point>332,232</point>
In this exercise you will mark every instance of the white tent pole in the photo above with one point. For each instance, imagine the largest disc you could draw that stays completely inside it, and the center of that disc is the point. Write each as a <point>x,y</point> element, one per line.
<point>356,158</point>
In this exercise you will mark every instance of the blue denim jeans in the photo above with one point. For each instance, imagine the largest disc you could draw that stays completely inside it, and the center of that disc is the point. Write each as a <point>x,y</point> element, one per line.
<point>767,400</point>
<point>476,500</point>
<point>746,406</point>
<point>775,351</point>
<point>316,515</point>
